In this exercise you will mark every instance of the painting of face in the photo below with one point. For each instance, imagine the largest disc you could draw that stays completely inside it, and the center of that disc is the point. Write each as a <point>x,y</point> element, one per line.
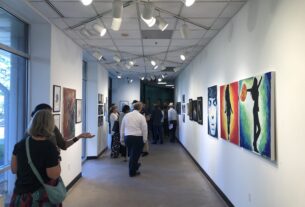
<point>212,111</point>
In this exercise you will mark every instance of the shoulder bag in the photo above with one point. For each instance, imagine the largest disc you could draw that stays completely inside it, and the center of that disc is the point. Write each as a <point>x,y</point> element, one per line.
<point>56,194</point>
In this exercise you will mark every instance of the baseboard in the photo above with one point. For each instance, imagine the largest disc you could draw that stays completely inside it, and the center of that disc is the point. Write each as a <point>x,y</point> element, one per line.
<point>73,181</point>
<point>96,157</point>
<point>224,197</point>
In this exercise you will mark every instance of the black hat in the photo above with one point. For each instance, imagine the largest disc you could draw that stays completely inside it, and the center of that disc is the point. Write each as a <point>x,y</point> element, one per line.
<point>40,107</point>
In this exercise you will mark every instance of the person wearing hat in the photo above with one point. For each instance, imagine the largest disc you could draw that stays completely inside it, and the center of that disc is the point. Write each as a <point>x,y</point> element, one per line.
<point>172,122</point>
<point>57,139</point>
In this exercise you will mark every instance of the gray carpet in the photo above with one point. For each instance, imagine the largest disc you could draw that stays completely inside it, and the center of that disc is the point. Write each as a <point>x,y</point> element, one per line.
<point>168,178</point>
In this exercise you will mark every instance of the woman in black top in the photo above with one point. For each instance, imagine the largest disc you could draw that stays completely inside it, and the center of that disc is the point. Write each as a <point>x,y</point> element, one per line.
<point>28,190</point>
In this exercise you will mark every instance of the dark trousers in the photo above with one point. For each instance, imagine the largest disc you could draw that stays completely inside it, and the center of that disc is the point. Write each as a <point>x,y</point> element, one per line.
<point>134,146</point>
<point>158,133</point>
<point>172,132</point>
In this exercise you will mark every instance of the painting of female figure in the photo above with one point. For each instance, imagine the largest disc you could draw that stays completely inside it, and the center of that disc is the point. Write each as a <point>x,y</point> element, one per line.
<point>229,112</point>
<point>69,113</point>
<point>257,114</point>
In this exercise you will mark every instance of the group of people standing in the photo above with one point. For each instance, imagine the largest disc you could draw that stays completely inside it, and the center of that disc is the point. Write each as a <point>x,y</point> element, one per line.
<point>131,129</point>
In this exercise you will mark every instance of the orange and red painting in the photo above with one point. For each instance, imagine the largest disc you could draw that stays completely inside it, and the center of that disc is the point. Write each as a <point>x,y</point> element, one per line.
<point>229,118</point>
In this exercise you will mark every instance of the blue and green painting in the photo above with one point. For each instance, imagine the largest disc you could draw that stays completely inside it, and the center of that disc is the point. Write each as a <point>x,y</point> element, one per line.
<point>256,114</point>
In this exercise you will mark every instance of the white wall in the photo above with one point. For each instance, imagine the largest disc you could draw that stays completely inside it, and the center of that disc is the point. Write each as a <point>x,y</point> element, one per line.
<point>124,91</point>
<point>266,35</point>
<point>97,82</point>
<point>66,71</point>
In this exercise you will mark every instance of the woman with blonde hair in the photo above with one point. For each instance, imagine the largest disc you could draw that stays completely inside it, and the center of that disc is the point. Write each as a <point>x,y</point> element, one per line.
<point>28,190</point>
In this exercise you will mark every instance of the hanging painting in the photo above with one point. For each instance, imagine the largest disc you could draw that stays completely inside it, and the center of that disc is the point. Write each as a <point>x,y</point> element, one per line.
<point>212,111</point>
<point>178,108</point>
<point>199,110</point>
<point>256,109</point>
<point>194,107</point>
<point>56,98</point>
<point>69,113</point>
<point>78,117</point>
<point>190,109</point>
<point>229,121</point>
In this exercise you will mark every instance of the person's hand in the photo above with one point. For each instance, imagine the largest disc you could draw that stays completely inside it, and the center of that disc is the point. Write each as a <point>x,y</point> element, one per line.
<point>86,135</point>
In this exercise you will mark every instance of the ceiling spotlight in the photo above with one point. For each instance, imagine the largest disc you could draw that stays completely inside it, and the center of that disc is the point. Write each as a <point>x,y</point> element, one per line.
<point>97,55</point>
<point>184,31</point>
<point>85,32</point>
<point>117,13</point>
<point>100,29</point>
<point>153,63</point>
<point>86,2</point>
<point>148,14</point>
<point>159,79</point>
<point>182,57</point>
<point>119,76</point>
<point>131,63</point>
<point>163,76</point>
<point>142,78</point>
<point>116,58</point>
<point>162,24</point>
<point>188,3</point>
<point>130,81</point>
<point>156,67</point>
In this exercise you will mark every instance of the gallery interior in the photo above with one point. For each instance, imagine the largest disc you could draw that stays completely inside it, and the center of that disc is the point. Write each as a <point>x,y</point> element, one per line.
<point>232,68</point>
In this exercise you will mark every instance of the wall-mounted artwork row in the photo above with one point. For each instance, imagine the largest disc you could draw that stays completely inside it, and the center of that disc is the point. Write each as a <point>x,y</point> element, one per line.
<point>229,118</point>
<point>212,111</point>
<point>256,114</point>
<point>69,112</point>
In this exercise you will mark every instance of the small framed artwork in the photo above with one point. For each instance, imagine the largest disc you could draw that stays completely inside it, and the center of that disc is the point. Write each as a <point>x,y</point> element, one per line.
<point>56,98</point>
<point>183,118</point>
<point>100,98</point>
<point>183,98</point>
<point>199,110</point>
<point>183,108</point>
<point>190,109</point>
<point>100,121</point>
<point>57,120</point>
<point>78,111</point>
<point>178,108</point>
<point>100,109</point>
<point>123,103</point>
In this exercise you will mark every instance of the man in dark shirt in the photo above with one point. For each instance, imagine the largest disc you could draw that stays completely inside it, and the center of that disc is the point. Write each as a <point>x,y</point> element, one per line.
<point>157,125</point>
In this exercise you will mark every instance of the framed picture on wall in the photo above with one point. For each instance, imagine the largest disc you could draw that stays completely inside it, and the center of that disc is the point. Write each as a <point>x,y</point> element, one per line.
<point>78,111</point>
<point>56,98</point>
<point>199,110</point>
<point>57,120</point>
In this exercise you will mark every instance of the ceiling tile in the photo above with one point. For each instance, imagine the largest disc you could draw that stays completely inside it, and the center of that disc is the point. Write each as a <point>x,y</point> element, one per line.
<point>154,50</point>
<point>232,8</point>
<point>184,43</point>
<point>127,24</point>
<point>133,50</point>
<point>74,9</point>
<point>45,9</point>
<point>129,42</point>
<point>172,7</point>
<point>204,9</point>
<point>155,43</point>
<point>220,23</point>
<point>192,34</point>
<point>73,21</point>
<point>131,34</point>
<point>103,7</point>
<point>100,42</point>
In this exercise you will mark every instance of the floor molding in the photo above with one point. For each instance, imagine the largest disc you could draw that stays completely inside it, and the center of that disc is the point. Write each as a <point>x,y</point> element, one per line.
<point>96,157</point>
<point>224,197</point>
<point>73,181</point>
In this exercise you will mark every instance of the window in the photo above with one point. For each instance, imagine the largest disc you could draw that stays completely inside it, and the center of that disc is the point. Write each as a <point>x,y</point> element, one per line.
<point>13,88</point>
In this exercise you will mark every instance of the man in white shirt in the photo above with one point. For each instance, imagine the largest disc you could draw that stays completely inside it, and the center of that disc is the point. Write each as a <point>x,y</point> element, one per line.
<point>172,122</point>
<point>134,134</point>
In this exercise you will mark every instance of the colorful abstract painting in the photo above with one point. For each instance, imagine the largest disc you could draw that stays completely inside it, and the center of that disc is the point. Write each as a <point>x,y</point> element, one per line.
<point>229,114</point>
<point>212,111</point>
<point>69,113</point>
<point>256,109</point>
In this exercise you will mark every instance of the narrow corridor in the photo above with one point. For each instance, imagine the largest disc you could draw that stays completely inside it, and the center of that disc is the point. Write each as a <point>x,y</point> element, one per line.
<point>169,178</point>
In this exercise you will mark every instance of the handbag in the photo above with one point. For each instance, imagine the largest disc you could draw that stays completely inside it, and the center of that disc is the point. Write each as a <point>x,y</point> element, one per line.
<point>56,194</point>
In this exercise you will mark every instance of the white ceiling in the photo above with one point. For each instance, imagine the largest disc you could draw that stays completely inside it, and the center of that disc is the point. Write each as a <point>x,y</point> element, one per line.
<point>128,42</point>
